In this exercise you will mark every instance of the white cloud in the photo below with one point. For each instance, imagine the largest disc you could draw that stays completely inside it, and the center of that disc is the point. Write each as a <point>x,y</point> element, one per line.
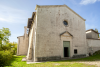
<point>2,19</point>
<point>85,2</point>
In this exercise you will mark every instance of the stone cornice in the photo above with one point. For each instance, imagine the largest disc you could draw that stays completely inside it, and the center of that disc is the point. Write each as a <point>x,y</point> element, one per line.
<point>42,6</point>
<point>66,32</point>
<point>30,20</point>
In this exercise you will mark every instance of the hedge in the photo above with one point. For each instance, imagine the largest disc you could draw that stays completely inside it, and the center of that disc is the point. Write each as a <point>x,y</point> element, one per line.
<point>4,57</point>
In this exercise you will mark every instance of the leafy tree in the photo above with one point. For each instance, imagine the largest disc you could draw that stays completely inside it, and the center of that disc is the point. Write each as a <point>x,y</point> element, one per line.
<point>10,47</point>
<point>14,47</point>
<point>4,36</point>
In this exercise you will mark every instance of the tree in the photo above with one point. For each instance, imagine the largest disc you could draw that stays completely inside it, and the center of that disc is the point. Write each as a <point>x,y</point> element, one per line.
<point>97,31</point>
<point>4,36</point>
<point>11,47</point>
<point>14,47</point>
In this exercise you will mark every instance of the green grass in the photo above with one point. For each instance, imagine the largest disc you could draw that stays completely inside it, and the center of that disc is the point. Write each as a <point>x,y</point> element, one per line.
<point>91,58</point>
<point>16,62</point>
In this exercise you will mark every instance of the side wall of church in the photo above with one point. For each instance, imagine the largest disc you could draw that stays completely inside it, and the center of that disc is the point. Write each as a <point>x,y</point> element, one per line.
<point>22,47</point>
<point>30,54</point>
<point>20,41</point>
<point>50,26</point>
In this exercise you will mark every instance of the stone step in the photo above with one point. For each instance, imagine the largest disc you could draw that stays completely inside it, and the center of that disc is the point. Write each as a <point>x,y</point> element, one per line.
<point>25,59</point>
<point>29,60</point>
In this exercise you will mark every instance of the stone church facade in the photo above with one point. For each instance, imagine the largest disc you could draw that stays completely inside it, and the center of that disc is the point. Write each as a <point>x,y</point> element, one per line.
<point>55,32</point>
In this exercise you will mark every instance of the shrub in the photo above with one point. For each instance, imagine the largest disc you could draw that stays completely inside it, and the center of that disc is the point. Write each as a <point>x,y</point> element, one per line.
<point>1,49</point>
<point>4,57</point>
<point>97,53</point>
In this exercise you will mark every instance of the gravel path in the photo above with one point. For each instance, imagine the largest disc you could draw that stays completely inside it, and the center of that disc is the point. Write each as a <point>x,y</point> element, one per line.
<point>97,63</point>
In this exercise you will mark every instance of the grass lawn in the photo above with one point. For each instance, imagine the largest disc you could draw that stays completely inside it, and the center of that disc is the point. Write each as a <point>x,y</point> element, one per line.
<point>16,62</point>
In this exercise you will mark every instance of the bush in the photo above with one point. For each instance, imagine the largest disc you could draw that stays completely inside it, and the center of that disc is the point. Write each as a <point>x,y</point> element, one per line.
<point>97,53</point>
<point>1,49</point>
<point>13,51</point>
<point>4,57</point>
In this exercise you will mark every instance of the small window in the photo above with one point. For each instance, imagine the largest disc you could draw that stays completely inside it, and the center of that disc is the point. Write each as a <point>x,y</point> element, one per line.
<point>65,23</point>
<point>75,51</point>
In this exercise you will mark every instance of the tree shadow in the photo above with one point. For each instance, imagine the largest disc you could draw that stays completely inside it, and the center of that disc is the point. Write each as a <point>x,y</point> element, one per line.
<point>13,59</point>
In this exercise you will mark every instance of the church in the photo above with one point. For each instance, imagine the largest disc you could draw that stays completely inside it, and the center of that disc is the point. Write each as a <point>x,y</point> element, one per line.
<point>56,32</point>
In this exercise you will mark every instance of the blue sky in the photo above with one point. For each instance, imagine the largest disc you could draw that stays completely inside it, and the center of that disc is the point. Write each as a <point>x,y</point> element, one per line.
<point>14,14</point>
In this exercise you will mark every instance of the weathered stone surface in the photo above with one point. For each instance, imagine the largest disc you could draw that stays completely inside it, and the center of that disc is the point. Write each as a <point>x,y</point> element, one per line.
<point>48,58</point>
<point>79,56</point>
<point>93,45</point>
<point>22,47</point>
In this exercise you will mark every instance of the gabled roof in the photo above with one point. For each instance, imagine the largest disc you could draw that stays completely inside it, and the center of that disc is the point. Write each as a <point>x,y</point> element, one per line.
<point>41,6</point>
<point>66,32</point>
<point>92,30</point>
<point>30,20</point>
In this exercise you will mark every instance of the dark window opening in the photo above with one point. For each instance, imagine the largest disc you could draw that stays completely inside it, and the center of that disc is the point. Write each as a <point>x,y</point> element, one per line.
<point>65,23</point>
<point>75,51</point>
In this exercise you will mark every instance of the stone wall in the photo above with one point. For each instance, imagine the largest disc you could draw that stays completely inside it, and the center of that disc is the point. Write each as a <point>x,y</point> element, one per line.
<point>93,45</point>
<point>22,46</point>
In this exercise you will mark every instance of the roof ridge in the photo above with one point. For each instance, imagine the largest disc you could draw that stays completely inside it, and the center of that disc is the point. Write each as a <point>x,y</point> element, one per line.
<point>37,6</point>
<point>93,31</point>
